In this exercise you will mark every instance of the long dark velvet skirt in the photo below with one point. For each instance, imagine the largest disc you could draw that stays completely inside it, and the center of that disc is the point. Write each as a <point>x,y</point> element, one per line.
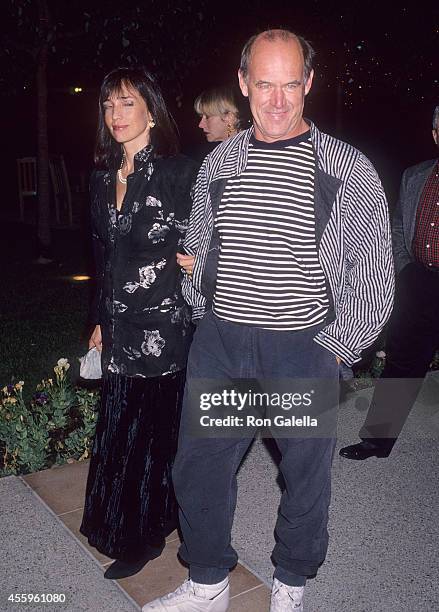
<point>130,503</point>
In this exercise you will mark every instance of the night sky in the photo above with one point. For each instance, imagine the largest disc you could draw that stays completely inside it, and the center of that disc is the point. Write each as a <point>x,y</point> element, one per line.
<point>376,69</point>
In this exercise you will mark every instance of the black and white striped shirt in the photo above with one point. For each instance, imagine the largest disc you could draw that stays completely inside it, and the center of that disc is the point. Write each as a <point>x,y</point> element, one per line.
<point>268,271</point>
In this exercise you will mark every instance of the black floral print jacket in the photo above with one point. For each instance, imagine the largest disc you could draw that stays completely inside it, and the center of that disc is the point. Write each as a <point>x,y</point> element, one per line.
<point>144,320</point>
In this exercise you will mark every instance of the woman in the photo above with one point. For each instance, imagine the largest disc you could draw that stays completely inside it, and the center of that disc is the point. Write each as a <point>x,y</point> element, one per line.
<point>221,115</point>
<point>141,202</point>
<point>218,109</point>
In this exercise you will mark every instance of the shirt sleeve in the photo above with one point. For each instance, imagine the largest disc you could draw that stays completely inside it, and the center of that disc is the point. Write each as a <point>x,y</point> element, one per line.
<point>366,295</point>
<point>401,254</point>
<point>191,294</point>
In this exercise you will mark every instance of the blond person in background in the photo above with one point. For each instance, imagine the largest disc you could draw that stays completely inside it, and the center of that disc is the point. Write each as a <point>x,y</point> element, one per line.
<point>221,117</point>
<point>219,113</point>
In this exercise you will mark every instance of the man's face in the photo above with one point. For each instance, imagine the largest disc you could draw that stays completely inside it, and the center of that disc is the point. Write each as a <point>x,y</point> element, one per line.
<point>276,89</point>
<point>436,135</point>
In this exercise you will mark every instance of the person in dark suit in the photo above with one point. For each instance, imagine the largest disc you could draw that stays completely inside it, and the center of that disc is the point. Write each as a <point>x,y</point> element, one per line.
<point>413,331</point>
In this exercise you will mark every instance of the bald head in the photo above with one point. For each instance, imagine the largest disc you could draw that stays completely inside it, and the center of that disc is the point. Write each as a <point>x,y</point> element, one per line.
<point>275,86</point>
<point>307,51</point>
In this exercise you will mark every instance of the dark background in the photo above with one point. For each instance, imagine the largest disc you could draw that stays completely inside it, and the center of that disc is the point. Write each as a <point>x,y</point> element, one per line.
<point>375,85</point>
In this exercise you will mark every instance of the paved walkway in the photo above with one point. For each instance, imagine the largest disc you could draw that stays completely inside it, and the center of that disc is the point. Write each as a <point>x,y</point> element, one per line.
<point>47,554</point>
<point>384,536</point>
<point>42,559</point>
<point>383,528</point>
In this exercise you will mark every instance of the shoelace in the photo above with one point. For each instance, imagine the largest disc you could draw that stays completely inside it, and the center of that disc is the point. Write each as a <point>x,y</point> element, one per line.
<point>287,595</point>
<point>187,585</point>
<point>181,590</point>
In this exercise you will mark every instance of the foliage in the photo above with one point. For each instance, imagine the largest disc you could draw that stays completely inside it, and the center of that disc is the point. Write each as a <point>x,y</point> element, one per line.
<point>57,425</point>
<point>102,36</point>
<point>377,365</point>
<point>365,378</point>
<point>435,363</point>
<point>43,312</point>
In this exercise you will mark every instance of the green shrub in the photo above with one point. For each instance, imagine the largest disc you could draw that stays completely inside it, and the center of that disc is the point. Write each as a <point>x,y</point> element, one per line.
<point>57,425</point>
<point>366,378</point>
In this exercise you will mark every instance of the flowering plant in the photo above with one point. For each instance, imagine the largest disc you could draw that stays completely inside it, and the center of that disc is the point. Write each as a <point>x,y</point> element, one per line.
<point>366,378</point>
<point>56,426</point>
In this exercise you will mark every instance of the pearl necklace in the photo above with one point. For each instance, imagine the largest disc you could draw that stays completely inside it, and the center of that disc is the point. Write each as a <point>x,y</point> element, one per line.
<point>119,172</point>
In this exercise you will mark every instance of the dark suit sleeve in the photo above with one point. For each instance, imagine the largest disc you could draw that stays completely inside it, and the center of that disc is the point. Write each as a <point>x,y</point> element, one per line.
<point>98,252</point>
<point>401,255</point>
<point>185,175</point>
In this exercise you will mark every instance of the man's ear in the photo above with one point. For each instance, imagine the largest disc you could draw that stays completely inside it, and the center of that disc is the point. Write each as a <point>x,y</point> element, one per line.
<point>309,82</point>
<point>242,84</point>
<point>435,137</point>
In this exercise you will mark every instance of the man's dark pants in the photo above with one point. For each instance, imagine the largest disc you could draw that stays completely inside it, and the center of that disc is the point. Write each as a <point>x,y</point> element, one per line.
<point>205,468</point>
<point>412,338</point>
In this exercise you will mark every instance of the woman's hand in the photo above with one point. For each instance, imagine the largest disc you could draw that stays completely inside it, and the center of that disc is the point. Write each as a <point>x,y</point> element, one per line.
<point>186,262</point>
<point>96,339</point>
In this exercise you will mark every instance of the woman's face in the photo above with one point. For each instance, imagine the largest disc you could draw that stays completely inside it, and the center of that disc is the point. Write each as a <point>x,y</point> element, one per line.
<point>216,127</point>
<point>127,118</point>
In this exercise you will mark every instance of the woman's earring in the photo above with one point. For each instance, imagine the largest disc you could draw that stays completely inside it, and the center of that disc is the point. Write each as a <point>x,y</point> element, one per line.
<point>151,123</point>
<point>230,130</point>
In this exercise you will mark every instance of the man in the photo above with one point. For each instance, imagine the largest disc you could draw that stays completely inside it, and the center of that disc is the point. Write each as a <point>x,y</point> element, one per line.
<point>292,243</point>
<point>413,332</point>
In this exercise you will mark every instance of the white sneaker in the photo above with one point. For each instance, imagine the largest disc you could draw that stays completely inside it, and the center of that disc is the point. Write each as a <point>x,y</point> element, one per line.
<point>193,597</point>
<point>286,598</point>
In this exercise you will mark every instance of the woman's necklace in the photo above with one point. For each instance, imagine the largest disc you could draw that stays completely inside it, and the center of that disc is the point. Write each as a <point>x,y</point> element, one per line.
<point>119,172</point>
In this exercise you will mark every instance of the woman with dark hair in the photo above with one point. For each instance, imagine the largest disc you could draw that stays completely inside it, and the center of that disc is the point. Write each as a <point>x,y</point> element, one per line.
<point>140,199</point>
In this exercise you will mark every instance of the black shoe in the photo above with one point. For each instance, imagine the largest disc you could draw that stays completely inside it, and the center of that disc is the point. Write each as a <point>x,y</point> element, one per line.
<point>364,450</point>
<point>122,568</point>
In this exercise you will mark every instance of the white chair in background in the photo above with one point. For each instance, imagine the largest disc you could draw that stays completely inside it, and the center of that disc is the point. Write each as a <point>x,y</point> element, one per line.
<point>27,180</point>
<point>27,185</point>
<point>61,187</point>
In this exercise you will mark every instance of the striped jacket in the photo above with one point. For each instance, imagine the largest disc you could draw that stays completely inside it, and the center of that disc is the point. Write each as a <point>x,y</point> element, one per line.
<point>352,235</point>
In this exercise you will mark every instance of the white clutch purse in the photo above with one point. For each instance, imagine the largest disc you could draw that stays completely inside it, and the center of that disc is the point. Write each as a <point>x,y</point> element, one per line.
<point>90,367</point>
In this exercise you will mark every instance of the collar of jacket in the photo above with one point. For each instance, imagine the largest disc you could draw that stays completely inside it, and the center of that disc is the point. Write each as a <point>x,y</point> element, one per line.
<point>142,157</point>
<point>326,186</point>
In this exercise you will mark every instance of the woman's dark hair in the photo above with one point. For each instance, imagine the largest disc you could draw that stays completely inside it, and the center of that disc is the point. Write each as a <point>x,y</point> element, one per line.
<point>164,137</point>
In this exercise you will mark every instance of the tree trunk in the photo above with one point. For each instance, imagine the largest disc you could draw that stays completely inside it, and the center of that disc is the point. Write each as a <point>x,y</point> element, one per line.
<point>44,233</point>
